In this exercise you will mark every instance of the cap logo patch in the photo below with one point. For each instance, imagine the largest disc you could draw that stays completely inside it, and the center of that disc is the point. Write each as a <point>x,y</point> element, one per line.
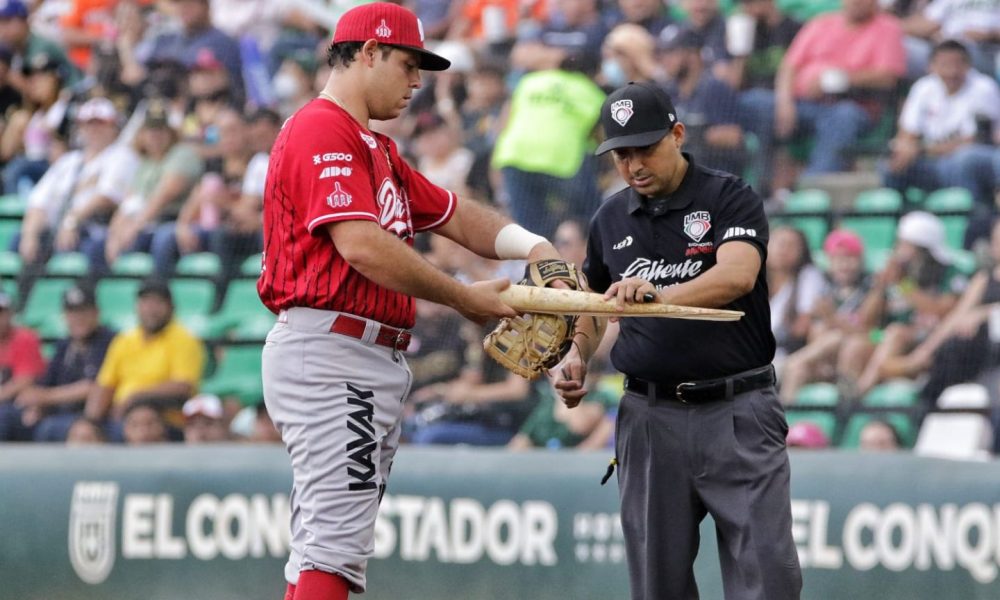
<point>621,111</point>
<point>383,30</point>
<point>672,118</point>
<point>420,28</point>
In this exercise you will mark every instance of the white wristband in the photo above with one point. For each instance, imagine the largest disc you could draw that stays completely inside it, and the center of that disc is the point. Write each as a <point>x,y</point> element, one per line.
<point>515,242</point>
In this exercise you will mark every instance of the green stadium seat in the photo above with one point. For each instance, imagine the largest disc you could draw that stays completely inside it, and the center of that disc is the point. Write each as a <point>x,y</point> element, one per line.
<point>43,309</point>
<point>898,393</point>
<point>251,266</point>
<point>902,423</point>
<point>133,264</point>
<point>876,259</point>
<point>68,264</point>
<point>10,263</point>
<point>804,10</point>
<point>238,374</point>
<point>9,287</point>
<point>824,395</point>
<point>116,301</point>
<point>881,200</point>
<point>13,206</point>
<point>8,229</point>
<point>915,196</point>
<point>192,296</point>
<point>199,264</point>
<point>953,199</point>
<point>954,229</point>
<point>877,232</point>
<point>814,228</point>
<point>198,325</point>
<point>964,261</point>
<point>807,201</point>
<point>824,419</point>
<point>241,307</point>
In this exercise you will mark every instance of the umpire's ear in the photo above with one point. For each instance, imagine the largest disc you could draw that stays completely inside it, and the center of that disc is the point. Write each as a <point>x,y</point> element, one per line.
<point>678,134</point>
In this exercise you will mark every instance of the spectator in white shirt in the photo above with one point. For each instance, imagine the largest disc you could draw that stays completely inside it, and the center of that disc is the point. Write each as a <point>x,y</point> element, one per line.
<point>948,122</point>
<point>69,208</point>
<point>975,22</point>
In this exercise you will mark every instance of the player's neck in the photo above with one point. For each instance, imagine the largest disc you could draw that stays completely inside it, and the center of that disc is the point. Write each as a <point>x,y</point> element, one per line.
<point>351,103</point>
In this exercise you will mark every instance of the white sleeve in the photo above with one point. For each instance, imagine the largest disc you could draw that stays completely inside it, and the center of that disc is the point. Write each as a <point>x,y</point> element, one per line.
<point>47,189</point>
<point>255,176</point>
<point>937,10</point>
<point>812,286</point>
<point>909,117</point>
<point>116,177</point>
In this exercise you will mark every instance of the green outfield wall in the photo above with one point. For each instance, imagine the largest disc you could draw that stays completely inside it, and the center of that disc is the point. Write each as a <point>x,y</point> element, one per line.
<point>182,523</point>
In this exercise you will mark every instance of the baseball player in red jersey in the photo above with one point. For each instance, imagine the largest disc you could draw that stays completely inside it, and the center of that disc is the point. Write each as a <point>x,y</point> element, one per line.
<point>340,211</point>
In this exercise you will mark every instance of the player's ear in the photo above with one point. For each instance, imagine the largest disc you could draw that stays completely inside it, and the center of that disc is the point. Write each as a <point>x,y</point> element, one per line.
<point>368,52</point>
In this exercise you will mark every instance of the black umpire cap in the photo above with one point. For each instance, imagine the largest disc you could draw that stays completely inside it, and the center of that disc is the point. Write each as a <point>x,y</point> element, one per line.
<point>636,115</point>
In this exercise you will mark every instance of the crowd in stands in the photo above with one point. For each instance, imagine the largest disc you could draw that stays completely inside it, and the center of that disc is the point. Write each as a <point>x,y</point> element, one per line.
<point>134,141</point>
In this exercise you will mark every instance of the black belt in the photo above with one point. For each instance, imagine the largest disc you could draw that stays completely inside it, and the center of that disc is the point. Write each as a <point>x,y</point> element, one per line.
<point>708,390</point>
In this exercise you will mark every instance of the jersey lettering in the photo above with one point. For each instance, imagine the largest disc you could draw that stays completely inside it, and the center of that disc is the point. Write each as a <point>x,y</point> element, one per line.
<point>739,232</point>
<point>653,270</point>
<point>393,215</point>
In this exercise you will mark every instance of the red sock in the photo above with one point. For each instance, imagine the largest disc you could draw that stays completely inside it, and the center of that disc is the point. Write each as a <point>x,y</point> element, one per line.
<point>317,585</point>
<point>290,592</point>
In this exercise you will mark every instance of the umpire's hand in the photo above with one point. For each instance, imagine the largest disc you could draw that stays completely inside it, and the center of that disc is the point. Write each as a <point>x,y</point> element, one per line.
<point>631,290</point>
<point>568,377</point>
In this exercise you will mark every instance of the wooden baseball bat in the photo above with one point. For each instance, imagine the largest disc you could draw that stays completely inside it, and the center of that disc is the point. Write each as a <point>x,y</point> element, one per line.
<point>530,299</point>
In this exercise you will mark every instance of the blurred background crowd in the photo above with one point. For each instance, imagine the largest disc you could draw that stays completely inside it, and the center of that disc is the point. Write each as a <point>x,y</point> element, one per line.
<point>134,141</point>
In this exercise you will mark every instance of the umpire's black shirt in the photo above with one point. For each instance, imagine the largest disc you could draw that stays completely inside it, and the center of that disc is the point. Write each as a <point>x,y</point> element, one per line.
<point>671,240</point>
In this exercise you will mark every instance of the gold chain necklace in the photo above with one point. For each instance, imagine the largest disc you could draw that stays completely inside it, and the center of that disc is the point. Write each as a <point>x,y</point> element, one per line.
<point>340,103</point>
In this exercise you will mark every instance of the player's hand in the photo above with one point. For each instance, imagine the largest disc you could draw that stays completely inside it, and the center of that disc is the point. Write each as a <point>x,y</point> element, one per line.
<point>568,377</point>
<point>481,302</point>
<point>631,290</point>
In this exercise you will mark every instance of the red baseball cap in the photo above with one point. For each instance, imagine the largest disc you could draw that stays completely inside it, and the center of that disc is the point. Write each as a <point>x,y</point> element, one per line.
<point>389,24</point>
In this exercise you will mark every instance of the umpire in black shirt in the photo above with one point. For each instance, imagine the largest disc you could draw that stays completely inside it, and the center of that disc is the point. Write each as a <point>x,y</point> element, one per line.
<point>700,429</point>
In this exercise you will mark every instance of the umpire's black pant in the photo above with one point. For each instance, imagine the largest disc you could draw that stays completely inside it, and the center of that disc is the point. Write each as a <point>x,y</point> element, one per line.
<point>679,462</point>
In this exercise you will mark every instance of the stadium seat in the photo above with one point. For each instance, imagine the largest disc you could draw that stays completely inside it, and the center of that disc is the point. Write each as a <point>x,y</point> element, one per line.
<point>964,396</point>
<point>954,229</point>
<point>898,393</point>
<point>876,258</point>
<point>199,264</point>
<point>804,10</point>
<point>8,229</point>
<point>238,374</point>
<point>964,261</point>
<point>901,422</point>
<point>955,435</point>
<point>949,200</point>
<point>915,196</point>
<point>814,228</point>
<point>807,201</point>
<point>251,266</point>
<point>877,232</point>
<point>43,310</point>
<point>10,263</point>
<point>823,395</point>
<point>13,206</point>
<point>824,419</point>
<point>192,296</point>
<point>68,264</point>
<point>133,264</point>
<point>881,200</point>
<point>240,307</point>
<point>116,301</point>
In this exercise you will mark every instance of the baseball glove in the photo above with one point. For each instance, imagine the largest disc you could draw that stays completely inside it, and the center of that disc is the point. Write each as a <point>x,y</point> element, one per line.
<point>531,343</point>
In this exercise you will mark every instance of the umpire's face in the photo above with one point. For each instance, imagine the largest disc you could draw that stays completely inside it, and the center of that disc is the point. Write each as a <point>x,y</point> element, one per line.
<point>656,169</point>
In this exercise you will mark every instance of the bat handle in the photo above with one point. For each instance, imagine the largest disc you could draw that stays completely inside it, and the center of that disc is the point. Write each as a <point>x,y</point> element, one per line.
<point>649,297</point>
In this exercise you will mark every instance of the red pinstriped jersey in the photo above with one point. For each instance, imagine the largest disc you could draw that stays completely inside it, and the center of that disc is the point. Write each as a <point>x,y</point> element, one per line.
<point>325,167</point>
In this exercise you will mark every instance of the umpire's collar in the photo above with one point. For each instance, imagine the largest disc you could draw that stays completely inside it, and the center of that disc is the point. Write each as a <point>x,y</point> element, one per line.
<point>682,197</point>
